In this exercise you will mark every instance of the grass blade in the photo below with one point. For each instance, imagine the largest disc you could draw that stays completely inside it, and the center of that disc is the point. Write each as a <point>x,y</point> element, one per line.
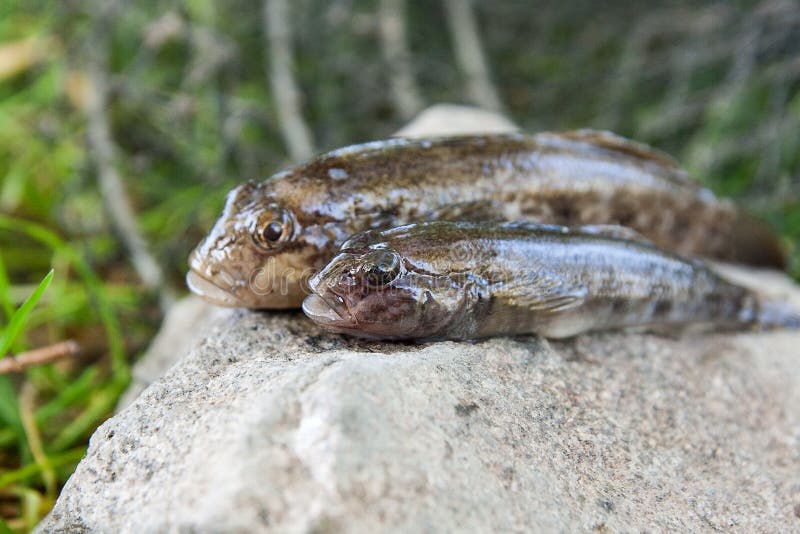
<point>5,300</point>
<point>94,286</point>
<point>5,529</point>
<point>21,315</point>
<point>32,469</point>
<point>9,408</point>
<point>77,391</point>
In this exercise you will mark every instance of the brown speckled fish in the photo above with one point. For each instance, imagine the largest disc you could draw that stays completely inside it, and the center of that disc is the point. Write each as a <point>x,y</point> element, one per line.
<point>273,235</point>
<point>448,280</point>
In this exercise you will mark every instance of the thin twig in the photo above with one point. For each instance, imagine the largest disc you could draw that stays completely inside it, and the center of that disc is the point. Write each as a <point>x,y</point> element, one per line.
<point>469,54</point>
<point>103,153</point>
<point>392,25</point>
<point>23,360</point>
<point>278,35</point>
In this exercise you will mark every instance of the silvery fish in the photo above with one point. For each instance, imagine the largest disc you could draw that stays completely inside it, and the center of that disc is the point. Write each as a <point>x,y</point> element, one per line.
<point>272,236</point>
<point>461,280</point>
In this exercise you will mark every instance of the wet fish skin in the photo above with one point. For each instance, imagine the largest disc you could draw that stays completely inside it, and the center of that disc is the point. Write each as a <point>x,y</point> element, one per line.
<point>462,280</point>
<point>570,178</point>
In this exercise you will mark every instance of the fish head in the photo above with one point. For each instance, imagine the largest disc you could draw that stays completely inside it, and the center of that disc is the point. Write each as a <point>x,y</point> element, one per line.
<point>377,293</point>
<point>254,256</point>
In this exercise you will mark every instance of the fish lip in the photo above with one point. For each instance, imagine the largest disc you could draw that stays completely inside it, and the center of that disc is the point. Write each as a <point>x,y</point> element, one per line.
<point>322,311</point>
<point>211,292</point>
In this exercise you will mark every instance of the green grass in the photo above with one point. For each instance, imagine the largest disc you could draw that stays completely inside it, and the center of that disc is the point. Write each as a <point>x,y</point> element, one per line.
<point>75,399</point>
<point>19,317</point>
<point>22,432</point>
<point>187,131</point>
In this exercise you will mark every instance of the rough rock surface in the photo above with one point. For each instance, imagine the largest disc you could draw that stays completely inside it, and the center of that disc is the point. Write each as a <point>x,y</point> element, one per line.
<point>268,424</point>
<point>188,320</point>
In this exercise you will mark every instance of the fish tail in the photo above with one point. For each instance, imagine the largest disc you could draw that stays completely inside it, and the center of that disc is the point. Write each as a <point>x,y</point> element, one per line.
<point>775,314</point>
<point>756,244</point>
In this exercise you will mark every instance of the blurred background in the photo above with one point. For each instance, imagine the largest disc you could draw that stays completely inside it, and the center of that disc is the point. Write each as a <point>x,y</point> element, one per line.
<point>123,125</point>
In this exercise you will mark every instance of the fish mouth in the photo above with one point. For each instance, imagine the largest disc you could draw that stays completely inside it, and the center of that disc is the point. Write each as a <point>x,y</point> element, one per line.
<point>327,314</point>
<point>211,292</point>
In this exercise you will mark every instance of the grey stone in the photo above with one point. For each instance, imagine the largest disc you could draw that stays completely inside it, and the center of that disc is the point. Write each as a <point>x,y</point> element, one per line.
<point>268,424</point>
<point>453,119</point>
<point>187,322</point>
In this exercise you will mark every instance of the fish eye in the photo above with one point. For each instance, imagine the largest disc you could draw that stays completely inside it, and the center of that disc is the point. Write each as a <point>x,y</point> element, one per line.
<point>380,268</point>
<point>272,230</point>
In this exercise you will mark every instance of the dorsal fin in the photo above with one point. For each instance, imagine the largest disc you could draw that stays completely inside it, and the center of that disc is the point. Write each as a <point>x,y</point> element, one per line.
<point>468,210</point>
<point>612,141</point>
<point>613,231</point>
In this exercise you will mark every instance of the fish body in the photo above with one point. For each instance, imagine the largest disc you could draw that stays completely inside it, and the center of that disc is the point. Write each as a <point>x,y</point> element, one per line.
<point>274,235</point>
<point>451,280</point>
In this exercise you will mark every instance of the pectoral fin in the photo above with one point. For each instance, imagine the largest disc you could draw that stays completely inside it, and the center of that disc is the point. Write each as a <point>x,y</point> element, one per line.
<point>545,294</point>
